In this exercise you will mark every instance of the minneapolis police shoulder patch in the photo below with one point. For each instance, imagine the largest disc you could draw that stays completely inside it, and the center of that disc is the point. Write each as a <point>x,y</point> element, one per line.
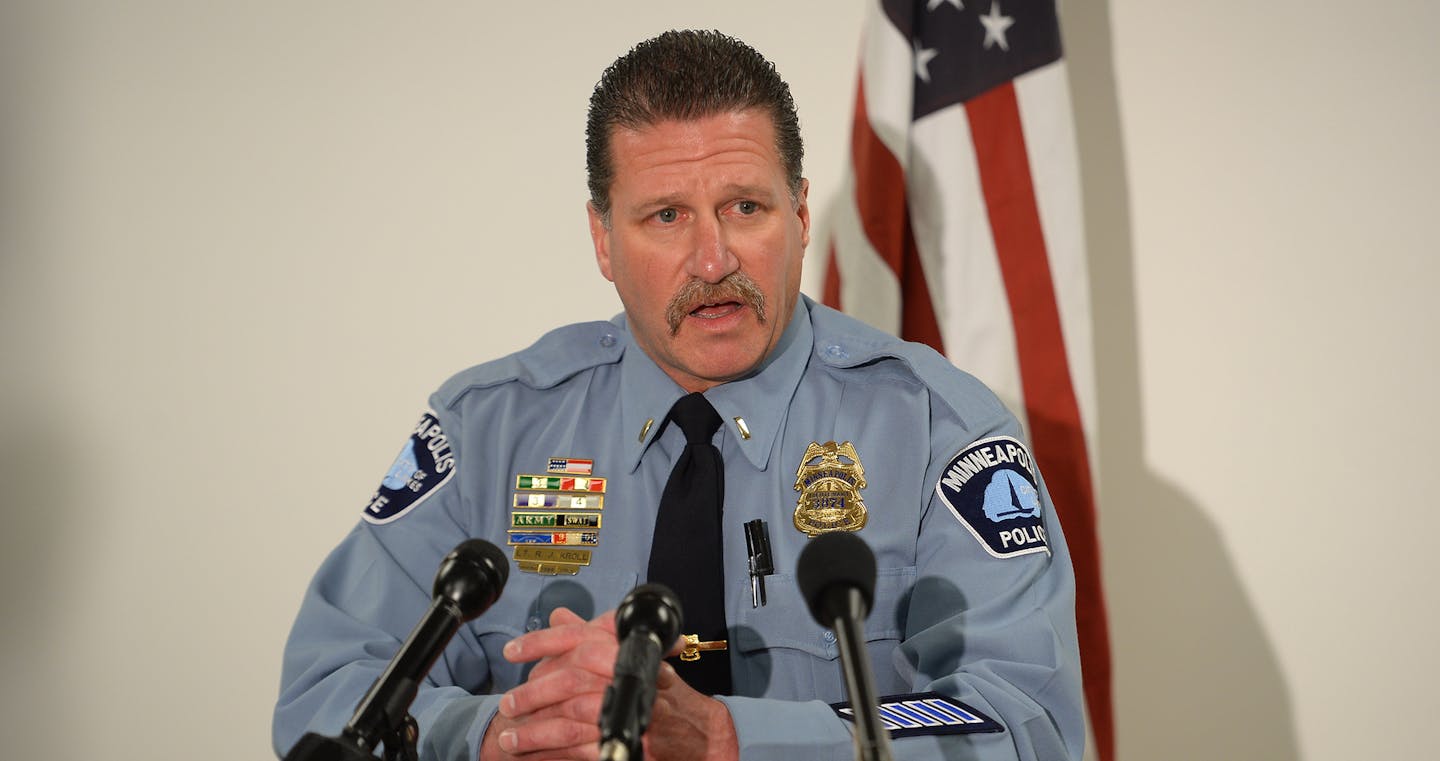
<point>991,487</point>
<point>424,464</point>
<point>925,713</point>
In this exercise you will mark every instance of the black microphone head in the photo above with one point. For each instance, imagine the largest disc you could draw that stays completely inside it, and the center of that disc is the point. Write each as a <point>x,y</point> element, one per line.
<point>652,607</point>
<point>472,576</point>
<point>832,562</point>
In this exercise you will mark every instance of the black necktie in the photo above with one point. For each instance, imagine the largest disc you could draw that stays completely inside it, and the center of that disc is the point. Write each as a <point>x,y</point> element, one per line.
<point>686,554</point>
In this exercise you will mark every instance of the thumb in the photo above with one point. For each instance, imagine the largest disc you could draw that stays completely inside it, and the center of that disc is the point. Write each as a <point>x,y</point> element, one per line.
<point>667,677</point>
<point>563,616</point>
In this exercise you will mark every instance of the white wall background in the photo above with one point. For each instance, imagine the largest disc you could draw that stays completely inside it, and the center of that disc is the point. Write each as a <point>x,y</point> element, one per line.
<point>243,241</point>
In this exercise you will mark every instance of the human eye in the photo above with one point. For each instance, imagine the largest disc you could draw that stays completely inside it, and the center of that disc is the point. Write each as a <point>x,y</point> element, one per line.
<point>667,216</point>
<point>747,207</point>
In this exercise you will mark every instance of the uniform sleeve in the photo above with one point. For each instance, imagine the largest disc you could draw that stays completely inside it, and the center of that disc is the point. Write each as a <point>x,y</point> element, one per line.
<point>991,620</point>
<point>995,633</point>
<point>362,604</point>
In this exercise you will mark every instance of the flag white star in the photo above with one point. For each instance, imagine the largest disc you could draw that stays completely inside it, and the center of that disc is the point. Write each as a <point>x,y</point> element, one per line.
<point>995,26</point>
<point>922,61</point>
<point>933,4</point>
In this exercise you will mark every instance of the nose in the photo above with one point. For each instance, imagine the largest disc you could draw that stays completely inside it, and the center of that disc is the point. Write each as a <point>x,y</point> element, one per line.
<point>710,257</point>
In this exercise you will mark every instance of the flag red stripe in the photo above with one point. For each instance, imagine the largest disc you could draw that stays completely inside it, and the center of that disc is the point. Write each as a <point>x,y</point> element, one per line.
<point>1050,403</point>
<point>830,288</point>
<point>885,217</point>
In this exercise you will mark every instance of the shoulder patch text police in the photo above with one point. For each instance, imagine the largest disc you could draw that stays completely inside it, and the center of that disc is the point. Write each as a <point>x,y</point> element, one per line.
<point>991,487</point>
<point>424,463</point>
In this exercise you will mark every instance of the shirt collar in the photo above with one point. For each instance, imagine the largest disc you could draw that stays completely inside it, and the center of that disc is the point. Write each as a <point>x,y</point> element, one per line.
<point>760,400</point>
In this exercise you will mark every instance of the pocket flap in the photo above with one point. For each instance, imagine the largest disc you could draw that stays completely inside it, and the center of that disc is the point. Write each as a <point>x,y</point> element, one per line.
<point>785,620</point>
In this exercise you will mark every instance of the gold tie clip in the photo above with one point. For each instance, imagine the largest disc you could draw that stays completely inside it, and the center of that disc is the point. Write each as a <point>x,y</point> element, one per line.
<point>693,646</point>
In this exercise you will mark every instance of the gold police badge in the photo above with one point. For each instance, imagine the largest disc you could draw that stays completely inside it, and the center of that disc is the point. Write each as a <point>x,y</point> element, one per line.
<point>829,480</point>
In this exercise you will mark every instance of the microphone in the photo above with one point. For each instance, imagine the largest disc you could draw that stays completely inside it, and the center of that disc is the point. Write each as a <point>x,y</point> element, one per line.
<point>647,624</point>
<point>836,574</point>
<point>469,581</point>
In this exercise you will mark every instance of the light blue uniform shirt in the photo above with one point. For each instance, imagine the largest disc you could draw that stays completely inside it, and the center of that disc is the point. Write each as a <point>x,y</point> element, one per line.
<point>951,615</point>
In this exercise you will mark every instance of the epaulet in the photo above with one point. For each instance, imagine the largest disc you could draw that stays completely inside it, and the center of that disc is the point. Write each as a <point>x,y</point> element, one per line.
<point>557,356</point>
<point>843,342</point>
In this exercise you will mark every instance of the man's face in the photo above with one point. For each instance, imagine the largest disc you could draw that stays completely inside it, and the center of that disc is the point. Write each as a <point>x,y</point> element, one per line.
<point>704,244</point>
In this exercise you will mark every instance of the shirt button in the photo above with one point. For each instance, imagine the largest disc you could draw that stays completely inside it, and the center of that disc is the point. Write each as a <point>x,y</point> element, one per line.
<point>532,624</point>
<point>829,636</point>
<point>836,352</point>
<point>607,340</point>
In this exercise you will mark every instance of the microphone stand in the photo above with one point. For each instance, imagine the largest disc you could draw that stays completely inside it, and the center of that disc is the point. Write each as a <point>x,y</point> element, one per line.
<point>399,745</point>
<point>872,742</point>
<point>646,622</point>
<point>383,715</point>
<point>471,578</point>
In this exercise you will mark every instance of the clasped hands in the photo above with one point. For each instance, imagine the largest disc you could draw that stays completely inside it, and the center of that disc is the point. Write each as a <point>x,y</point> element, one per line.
<point>555,713</point>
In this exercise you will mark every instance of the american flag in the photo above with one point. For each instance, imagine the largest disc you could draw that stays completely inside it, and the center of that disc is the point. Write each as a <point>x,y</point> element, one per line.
<point>959,226</point>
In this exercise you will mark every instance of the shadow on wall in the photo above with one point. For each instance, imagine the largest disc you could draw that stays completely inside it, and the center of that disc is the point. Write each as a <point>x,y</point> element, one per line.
<point>1195,676</point>
<point>36,570</point>
<point>39,467</point>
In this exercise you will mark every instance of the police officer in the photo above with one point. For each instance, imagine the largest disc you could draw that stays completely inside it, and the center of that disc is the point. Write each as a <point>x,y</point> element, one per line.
<point>561,452</point>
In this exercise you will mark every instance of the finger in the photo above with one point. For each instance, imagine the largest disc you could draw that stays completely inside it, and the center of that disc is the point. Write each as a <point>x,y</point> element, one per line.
<point>562,616</point>
<point>584,752</point>
<point>605,621</point>
<point>667,677</point>
<point>578,753</point>
<point>676,648</point>
<point>594,655</point>
<point>567,629</point>
<point>583,708</point>
<point>532,646</point>
<point>548,737</point>
<point>550,689</point>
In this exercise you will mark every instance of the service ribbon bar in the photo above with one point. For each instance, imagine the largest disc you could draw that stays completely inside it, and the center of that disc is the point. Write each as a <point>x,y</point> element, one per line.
<point>584,538</point>
<point>520,519</point>
<point>570,465</point>
<point>560,501</point>
<point>560,483</point>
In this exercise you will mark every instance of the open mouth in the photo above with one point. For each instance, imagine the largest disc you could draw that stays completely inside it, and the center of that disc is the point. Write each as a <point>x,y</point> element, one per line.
<point>716,311</point>
<point>715,302</point>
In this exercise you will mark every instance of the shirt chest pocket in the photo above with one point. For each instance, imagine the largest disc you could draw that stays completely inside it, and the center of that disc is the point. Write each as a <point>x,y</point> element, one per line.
<point>781,652</point>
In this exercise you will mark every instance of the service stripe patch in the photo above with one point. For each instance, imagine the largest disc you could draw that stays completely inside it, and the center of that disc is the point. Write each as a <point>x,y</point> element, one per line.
<point>926,713</point>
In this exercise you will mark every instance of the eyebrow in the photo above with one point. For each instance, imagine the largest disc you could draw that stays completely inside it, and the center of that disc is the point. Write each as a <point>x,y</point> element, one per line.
<point>660,202</point>
<point>758,192</point>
